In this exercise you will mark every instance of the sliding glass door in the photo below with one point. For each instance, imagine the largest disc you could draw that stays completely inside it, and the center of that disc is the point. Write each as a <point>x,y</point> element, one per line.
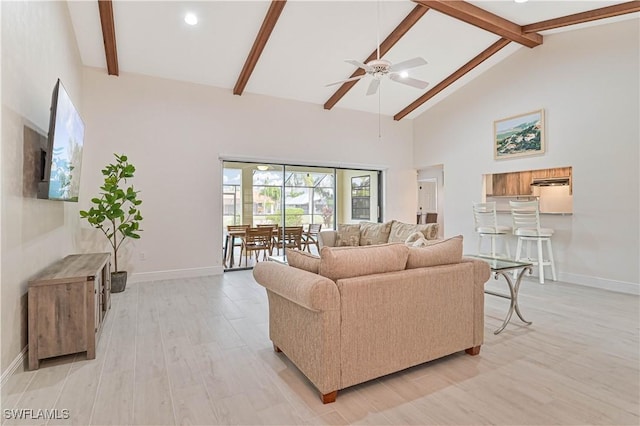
<point>257,194</point>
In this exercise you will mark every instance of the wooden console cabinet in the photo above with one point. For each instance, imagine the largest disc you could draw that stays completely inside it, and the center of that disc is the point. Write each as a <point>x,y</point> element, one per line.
<point>68,302</point>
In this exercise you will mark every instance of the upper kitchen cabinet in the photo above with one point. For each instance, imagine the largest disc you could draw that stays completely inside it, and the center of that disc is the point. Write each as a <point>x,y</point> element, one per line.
<point>524,179</point>
<point>520,183</point>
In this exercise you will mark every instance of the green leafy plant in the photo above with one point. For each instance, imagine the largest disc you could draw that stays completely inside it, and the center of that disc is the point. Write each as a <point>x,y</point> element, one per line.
<point>116,211</point>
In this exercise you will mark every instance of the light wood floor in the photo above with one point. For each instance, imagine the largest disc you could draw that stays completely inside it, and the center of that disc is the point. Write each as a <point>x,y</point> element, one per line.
<point>196,351</point>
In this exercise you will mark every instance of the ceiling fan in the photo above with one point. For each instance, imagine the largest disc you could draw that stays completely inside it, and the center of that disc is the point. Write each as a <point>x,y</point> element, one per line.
<point>379,68</point>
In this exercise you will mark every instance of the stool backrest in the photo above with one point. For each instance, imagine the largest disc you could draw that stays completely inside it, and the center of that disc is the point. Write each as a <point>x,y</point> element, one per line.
<point>525,214</point>
<point>484,215</point>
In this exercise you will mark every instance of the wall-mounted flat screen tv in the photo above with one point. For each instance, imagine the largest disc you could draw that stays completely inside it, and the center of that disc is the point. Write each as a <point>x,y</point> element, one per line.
<point>63,161</point>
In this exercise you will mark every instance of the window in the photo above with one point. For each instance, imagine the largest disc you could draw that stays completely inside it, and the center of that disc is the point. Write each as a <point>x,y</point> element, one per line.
<point>361,197</point>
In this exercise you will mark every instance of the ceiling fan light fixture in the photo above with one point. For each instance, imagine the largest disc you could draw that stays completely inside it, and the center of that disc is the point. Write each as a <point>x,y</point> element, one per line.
<point>191,18</point>
<point>404,74</point>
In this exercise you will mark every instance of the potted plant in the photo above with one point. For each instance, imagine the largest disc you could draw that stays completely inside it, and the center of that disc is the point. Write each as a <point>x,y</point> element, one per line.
<point>116,213</point>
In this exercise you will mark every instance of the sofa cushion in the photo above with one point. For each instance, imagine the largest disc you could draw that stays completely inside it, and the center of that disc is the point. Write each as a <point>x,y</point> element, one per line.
<point>401,231</point>
<point>348,262</point>
<point>440,252</point>
<point>303,260</point>
<point>374,233</point>
<point>348,235</point>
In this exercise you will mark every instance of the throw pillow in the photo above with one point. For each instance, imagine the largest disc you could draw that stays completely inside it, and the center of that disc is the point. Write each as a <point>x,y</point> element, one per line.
<point>442,252</point>
<point>400,231</point>
<point>348,235</point>
<point>430,230</point>
<point>413,238</point>
<point>374,233</point>
<point>347,262</point>
<point>303,260</point>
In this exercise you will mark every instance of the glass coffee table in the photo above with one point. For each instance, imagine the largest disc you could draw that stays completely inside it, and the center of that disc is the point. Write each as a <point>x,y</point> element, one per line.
<point>505,267</point>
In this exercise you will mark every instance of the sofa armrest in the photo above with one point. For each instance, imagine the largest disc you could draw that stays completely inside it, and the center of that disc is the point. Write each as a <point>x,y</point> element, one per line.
<point>312,291</point>
<point>327,238</point>
<point>481,270</point>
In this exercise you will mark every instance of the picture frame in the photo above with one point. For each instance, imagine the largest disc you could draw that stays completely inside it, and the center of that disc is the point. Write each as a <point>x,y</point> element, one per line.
<point>519,135</point>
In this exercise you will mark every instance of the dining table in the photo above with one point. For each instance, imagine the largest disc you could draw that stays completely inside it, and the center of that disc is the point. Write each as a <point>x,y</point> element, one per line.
<point>230,241</point>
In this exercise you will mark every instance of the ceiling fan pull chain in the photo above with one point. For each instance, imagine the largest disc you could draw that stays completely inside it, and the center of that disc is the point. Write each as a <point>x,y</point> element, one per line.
<point>379,114</point>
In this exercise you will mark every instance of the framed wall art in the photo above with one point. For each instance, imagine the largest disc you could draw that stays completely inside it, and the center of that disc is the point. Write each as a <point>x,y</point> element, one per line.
<point>519,136</point>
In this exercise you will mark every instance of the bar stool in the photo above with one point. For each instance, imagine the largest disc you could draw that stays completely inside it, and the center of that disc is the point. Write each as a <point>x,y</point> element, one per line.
<point>486,225</point>
<point>526,226</point>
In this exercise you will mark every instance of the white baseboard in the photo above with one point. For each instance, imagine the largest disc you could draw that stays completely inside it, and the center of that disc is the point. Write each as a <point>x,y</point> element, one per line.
<point>14,366</point>
<point>601,283</point>
<point>175,274</point>
<point>585,280</point>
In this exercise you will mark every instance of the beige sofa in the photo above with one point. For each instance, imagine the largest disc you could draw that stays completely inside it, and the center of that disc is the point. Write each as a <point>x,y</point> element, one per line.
<point>357,313</point>
<point>369,233</point>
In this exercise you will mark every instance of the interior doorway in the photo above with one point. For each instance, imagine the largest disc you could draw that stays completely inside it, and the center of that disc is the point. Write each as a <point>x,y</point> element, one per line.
<point>431,197</point>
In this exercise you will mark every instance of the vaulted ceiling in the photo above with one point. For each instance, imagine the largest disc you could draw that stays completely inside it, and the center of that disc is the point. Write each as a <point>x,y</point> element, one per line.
<point>293,49</point>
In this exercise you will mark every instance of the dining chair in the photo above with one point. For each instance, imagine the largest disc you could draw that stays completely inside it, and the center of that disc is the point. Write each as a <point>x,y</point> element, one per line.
<point>256,240</point>
<point>290,237</point>
<point>274,232</point>
<point>526,226</point>
<point>310,237</point>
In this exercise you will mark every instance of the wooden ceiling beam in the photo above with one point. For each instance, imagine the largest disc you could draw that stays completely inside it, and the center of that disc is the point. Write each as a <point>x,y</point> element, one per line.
<point>109,35</point>
<point>579,18</point>
<point>486,20</point>
<point>269,23</point>
<point>486,54</point>
<point>402,28</point>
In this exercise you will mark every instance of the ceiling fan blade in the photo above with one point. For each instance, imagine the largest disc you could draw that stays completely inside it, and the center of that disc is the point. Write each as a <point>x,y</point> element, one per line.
<point>405,65</point>
<point>373,87</point>
<point>359,64</point>
<point>345,81</point>
<point>413,82</point>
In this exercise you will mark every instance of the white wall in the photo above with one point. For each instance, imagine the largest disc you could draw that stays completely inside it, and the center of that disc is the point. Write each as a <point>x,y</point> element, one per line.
<point>38,47</point>
<point>587,82</point>
<point>175,132</point>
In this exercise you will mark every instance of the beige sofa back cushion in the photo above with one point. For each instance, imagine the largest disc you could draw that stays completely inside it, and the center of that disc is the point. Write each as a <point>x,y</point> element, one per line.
<point>374,233</point>
<point>442,252</point>
<point>303,260</point>
<point>348,235</point>
<point>400,231</point>
<point>348,262</point>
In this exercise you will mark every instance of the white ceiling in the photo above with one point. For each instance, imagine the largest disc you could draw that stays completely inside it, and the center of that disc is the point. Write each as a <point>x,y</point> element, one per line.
<point>308,46</point>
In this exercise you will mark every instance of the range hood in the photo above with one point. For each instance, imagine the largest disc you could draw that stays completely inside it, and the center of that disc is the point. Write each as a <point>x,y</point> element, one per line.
<point>555,181</point>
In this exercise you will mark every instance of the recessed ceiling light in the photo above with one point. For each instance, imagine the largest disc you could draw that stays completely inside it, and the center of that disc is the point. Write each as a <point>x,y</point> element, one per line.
<point>520,1</point>
<point>404,74</point>
<point>191,18</point>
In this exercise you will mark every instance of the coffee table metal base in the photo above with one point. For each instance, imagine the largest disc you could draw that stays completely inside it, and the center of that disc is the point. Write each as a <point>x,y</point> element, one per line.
<point>512,296</point>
